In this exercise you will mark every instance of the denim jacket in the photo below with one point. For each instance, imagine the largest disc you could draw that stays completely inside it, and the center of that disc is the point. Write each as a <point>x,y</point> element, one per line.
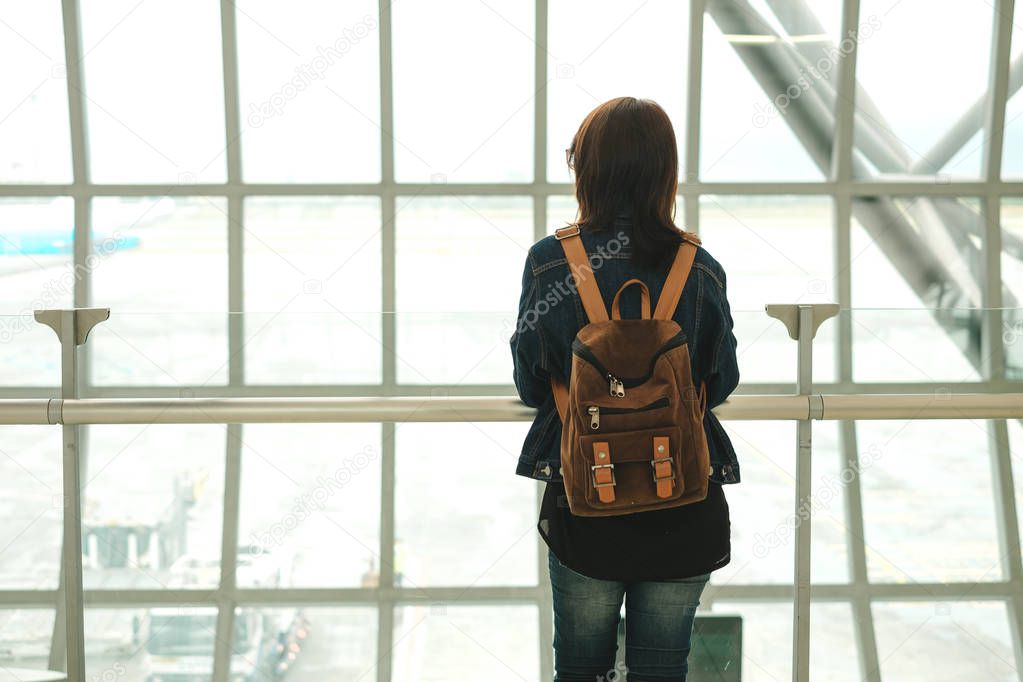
<point>551,313</point>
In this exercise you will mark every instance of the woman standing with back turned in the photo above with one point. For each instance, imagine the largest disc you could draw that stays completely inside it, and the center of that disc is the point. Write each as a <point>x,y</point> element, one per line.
<point>625,160</point>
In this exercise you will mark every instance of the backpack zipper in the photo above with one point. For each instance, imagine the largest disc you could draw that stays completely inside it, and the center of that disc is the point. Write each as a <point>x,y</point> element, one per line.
<point>617,385</point>
<point>595,410</point>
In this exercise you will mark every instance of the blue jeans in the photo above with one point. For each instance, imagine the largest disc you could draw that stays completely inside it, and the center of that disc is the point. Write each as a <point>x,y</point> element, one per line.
<point>658,624</point>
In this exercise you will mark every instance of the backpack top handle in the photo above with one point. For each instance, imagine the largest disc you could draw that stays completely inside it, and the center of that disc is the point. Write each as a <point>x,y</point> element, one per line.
<point>644,299</point>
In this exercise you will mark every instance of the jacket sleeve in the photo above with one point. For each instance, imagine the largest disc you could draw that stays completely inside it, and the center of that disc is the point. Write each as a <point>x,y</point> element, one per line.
<point>528,346</point>
<point>723,368</point>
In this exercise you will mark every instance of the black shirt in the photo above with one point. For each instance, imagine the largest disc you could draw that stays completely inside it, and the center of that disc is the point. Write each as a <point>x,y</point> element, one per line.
<point>679,542</point>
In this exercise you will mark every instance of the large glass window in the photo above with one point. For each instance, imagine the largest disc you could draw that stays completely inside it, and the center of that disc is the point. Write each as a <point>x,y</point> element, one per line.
<point>35,141</point>
<point>168,124</point>
<point>459,267</point>
<point>167,328</point>
<point>485,132</point>
<point>594,56</point>
<point>322,198</point>
<point>916,273</point>
<point>308,513</point>
<point>901,129</point>
<point>309,90</point>
<point>313,313</point>
<point>768,84</point>
<point>36,242</point>
<point>793,240</point>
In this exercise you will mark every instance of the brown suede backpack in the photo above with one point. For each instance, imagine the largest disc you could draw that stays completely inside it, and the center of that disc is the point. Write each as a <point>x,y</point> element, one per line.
<point>632,435</point>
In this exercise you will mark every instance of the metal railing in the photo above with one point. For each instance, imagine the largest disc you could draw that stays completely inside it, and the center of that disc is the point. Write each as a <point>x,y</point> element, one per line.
<point>801,321</point>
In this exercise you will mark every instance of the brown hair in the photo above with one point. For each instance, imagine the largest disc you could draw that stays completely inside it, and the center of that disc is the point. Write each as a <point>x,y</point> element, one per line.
<point>625,158</point>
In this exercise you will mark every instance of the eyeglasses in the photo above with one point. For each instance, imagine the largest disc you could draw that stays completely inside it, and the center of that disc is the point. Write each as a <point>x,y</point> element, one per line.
<point>569,158</point>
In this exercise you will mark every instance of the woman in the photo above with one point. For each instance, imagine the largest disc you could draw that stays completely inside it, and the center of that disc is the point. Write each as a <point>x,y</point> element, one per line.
<point>625,160</point>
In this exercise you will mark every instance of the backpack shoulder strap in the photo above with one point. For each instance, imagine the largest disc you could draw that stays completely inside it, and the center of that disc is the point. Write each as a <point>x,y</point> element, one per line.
<point>582,273</point>
<point>560,398</point>
<point>676,281</point>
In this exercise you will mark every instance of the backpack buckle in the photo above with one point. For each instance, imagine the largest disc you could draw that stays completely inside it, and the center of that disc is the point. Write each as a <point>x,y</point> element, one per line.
<point>565,232</point>
<point>593,475</point>
<point>659,460</point>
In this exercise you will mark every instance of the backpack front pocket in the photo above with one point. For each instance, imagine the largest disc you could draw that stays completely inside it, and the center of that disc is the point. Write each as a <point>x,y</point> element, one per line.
<point>632,469</point>
<point>595,412</point>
